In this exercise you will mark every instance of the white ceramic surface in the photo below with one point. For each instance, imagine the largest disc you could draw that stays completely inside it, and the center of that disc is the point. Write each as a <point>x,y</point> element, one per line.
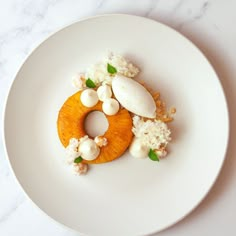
<point>127,196</point>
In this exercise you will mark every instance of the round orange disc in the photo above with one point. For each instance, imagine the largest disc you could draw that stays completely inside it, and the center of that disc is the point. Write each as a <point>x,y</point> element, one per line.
<point>70,124</point>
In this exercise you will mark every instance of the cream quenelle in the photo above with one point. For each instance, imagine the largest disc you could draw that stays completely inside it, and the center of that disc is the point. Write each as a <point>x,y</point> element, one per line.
<point>133,96</point>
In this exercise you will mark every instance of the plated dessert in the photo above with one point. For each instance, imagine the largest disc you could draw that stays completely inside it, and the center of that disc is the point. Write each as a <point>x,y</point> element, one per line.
<point>136,115</point>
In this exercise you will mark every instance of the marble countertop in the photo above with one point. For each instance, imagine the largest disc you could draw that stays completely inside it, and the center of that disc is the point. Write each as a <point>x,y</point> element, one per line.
<point>208,23</point>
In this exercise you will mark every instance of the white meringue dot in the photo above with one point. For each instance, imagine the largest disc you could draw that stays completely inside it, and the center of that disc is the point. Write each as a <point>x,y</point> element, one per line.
<point>104,92</point>
<point>110,106</point>
<point>137,149</point>
<point>89,97</point>
<point>89,150</point>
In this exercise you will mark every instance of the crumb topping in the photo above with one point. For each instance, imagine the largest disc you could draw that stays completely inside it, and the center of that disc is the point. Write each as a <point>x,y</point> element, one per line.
<point>153,134</point>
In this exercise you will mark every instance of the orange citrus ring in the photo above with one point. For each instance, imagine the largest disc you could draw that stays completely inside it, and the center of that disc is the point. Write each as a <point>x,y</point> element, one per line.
<point>70,124</point>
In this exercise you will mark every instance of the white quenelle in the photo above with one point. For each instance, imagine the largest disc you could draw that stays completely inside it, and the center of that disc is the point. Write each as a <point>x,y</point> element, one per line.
<point>89,97</point>
<point>89,149</point>
<point>138,149</point>
<point>104,92</point>
<point>133,96</point>
<point>110,106</point>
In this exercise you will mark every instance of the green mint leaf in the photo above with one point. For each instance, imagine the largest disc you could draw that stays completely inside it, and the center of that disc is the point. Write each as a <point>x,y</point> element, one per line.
<point>111,69</point>
<point>78,159</point>
<point>90,83</point>
<point>152,155</point>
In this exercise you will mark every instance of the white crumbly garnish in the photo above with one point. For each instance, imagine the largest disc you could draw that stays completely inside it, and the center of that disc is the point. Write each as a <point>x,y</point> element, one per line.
<point>81,168</point>
<point>153,134</point>
<point>72,150</point>
<point>161,153</point>
<point>99,74</point>
<point>123,66</point>
<point>78,81</point>
<point>100,141</point>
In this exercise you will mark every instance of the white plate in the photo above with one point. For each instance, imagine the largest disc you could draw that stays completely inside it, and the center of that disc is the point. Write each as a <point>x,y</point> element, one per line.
<point>127,196</point>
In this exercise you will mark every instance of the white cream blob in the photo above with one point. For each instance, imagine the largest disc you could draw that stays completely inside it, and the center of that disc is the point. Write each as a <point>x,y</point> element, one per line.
<point>133,96</point>
<point>110,106</point>
<point>89,149</point>
<point>89,97</point>
<point>104,92</point>
<point>137,149</point>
